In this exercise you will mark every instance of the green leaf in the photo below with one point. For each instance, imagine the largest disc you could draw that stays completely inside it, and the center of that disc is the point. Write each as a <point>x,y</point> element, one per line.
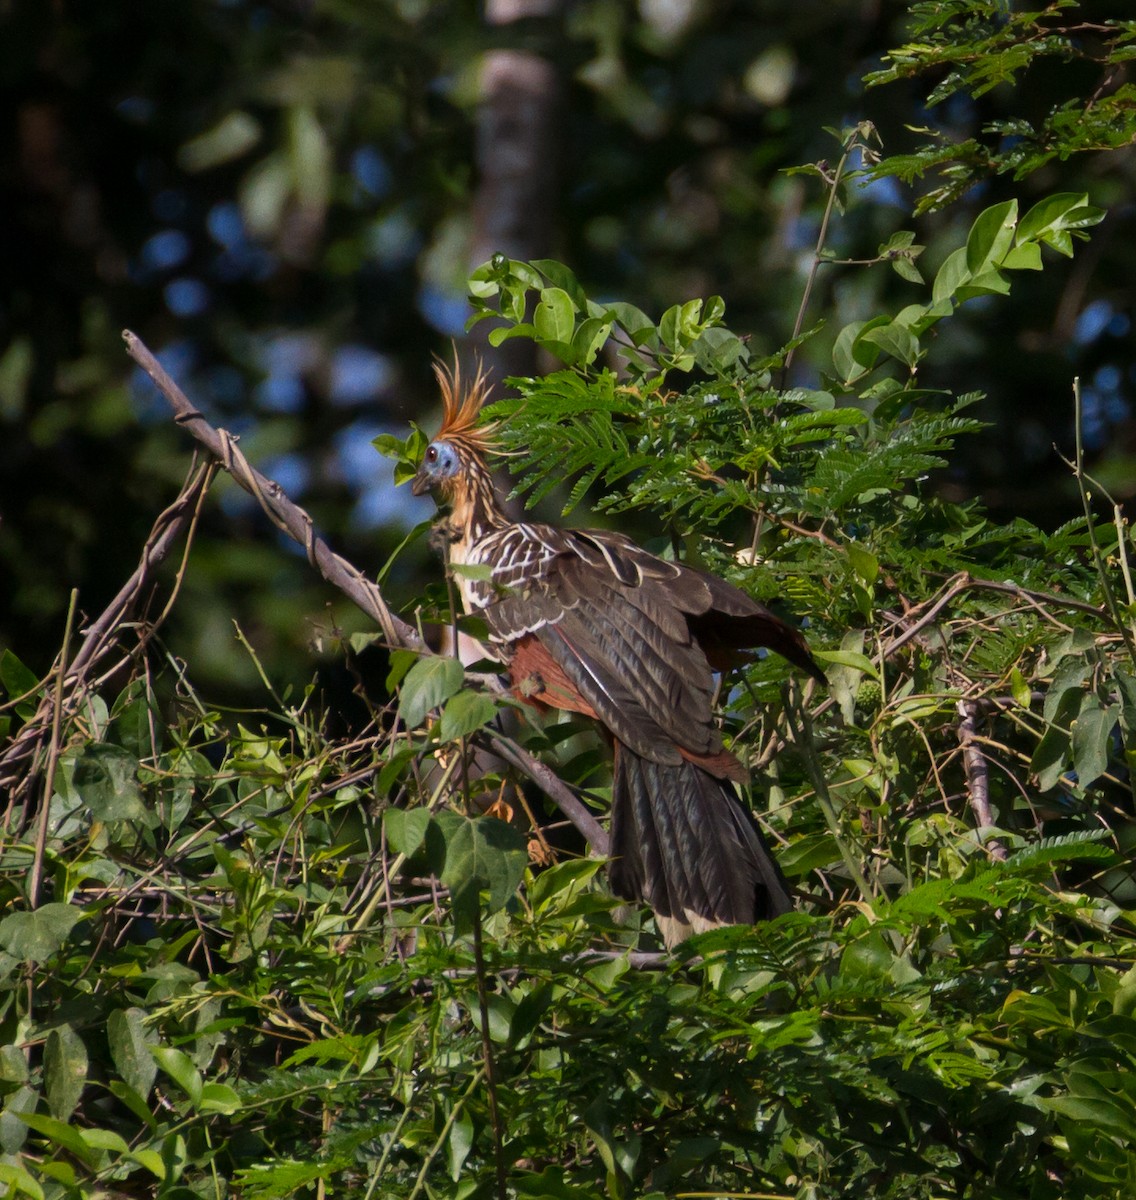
<point>561,277</point>
<point>132,725</point>
<point>1051,755</point>
<point>389,446</point>
<point>400,662</point>
<point>562,882</point>
<point>459,1144</point>
<point>950,277</point>
<point>464,714</point>
<point>1085,845</point>
<point>1101,1112</point>
<point>17,1182</point>
<point>406,828</point>
<point>990,237</point>
<point>179,1067</point>
<point>1026,257</point>
<point>130,1049</point>
<point>35,936</point>
<point>1020,690</point>
<point>633,321</point>
<point>807,853</point>
<point>66,1137</point>
<point>1092,737</point>
<point>18,680</point>
<point>106,779</point>
<point>64,1070</point>
<point>555,316</point>
<point>1062,210</point>
<point>864,562</point>
<point>868,957</point>
<point>848,658</point>
<point>13,1128</point>
<point>906,269</point>
<point>481,854</point>
<point>589,339</point>
<point>430,682</point>
<point>219,1098</point>
<point>505,333</point>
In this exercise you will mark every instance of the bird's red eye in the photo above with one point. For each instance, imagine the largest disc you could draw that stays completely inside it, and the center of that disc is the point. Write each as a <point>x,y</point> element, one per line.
<point>431,453</point>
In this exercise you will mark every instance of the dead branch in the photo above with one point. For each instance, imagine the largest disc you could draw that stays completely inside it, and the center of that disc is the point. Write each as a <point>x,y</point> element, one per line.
<point>341,574</point>
<point>270,495</point>
<point>977,776</point>
<point>21,760</point>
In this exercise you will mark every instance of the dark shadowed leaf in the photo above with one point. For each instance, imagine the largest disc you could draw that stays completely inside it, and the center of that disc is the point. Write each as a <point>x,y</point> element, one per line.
<point>64,1070</point>
<point>36,936</point>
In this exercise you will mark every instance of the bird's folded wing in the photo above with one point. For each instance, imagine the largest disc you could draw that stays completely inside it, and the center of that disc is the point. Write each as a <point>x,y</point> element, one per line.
<point>625,648</point>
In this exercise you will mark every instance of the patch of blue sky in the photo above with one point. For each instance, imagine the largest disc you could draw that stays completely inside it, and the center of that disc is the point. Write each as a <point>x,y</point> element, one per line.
<point>371,172</point>
<point>186,297</point>
<point>1093,320</point>
<point>444,310</point>
<point>383,505</point>
<point>358,375</point>
<point>164,250</point>
<point>225,224</point>
<point>280,394</point>
<point>379,502</point>
<point>291,471</point>
<point>394,240</point>
<point>178,358</point>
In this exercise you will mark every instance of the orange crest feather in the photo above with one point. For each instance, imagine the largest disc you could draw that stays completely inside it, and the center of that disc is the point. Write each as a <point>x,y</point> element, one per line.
<point>461,407</point>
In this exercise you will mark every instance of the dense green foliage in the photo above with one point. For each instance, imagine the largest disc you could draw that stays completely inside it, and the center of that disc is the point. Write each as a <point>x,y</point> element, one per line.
<point>244,953</point>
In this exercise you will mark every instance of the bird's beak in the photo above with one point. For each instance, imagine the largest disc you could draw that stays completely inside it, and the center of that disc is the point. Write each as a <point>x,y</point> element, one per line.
<point>421,483</point>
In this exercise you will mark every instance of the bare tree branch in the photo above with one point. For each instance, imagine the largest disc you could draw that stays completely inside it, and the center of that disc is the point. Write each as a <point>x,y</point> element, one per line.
<point>281,511</point>
<point>977,776</point>
<point>294,521</point>
<point>20,762</point>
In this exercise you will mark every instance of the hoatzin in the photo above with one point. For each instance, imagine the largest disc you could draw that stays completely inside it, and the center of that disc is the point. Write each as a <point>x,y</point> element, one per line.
<point>589,622</point>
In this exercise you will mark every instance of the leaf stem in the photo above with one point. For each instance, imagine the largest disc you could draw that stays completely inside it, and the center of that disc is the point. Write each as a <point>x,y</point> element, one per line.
<point>36,877</point>
<point>850,144</point>
<point>802,735</point>
<point>487,1053</point>
<point>440,1141</point>
<point>1086,503</point>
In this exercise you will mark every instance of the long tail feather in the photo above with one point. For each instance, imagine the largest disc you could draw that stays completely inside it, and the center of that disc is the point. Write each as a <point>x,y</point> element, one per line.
<point>682,842</point>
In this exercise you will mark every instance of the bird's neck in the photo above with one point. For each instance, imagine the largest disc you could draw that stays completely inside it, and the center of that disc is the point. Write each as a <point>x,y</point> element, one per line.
<point>475,513</point>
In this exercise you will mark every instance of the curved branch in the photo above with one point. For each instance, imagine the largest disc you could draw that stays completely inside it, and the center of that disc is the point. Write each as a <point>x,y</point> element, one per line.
<point>284,514</point>
<point>294,521</point>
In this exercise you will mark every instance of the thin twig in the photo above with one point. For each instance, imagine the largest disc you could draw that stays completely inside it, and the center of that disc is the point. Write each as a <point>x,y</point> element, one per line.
<point>17,764</point>
<point>1086,502</point>
<point>833,189</point>
<point>977,776</point>
<point>279,508</point>
<point>557,791</point>
<point>440,1140</point>
<point>802,735</point>
<point>52,757</point>
<point>487,1053</point>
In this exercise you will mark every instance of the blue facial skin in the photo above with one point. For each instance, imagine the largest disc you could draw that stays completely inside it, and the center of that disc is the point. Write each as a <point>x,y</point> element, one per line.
<point>439,463</point>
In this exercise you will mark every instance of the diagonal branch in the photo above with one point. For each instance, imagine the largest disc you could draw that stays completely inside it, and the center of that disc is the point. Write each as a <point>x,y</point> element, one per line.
<point>294,521</point>
<point>20,762</point>
<point>284,514</point>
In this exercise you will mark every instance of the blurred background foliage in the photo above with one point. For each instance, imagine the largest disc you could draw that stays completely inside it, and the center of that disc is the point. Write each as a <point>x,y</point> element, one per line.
<point>285,198</point>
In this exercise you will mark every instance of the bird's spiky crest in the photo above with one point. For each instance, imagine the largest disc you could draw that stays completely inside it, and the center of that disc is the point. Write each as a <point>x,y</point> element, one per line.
<point>461,407</point>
